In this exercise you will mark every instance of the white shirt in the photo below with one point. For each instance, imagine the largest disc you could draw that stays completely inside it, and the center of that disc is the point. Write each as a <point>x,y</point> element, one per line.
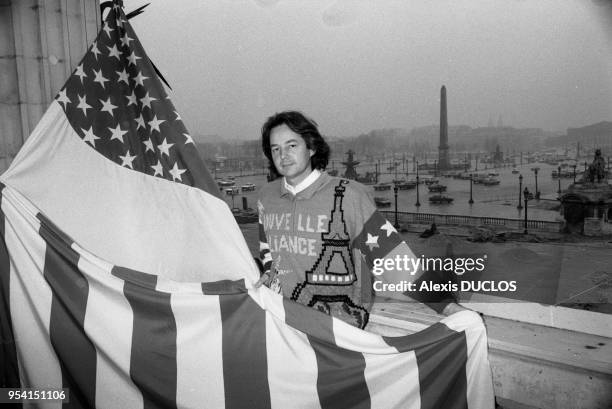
<point>308,180</point>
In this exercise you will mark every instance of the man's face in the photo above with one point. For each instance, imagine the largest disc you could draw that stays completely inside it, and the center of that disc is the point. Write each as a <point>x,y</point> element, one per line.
<point>290,154</point>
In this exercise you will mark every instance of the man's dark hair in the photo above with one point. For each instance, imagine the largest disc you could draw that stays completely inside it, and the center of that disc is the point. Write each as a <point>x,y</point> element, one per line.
<point>303,126</point>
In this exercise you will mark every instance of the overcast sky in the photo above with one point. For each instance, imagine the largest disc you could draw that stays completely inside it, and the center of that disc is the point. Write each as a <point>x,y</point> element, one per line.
<point>358,65</point>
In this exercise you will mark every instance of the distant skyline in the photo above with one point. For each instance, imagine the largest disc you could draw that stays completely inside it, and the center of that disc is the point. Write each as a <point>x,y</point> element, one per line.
<point>358,65</point>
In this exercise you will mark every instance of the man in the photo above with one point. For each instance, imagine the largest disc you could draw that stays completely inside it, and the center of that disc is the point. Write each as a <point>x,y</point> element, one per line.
<point>321,236</point>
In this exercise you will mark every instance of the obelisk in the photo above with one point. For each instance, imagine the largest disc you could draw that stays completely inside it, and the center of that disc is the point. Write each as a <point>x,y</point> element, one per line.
<point>443,160</point>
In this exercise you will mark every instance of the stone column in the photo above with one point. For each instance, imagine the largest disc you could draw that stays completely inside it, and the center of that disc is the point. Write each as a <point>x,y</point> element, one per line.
<point>41,43</point>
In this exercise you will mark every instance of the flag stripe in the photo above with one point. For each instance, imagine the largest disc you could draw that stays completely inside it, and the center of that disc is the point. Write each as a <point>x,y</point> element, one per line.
<point>9,370</point>
<point>309,321</point>
<point>478,372</point>
<point>393,380</point>
<point>289,352</point>
<point>76,352</point>
<point>153,358</point>
<point>341,382</point>
<point>224,287</point>
<point>199,352</point>
<point>438,347</point>
<point>109,320</point>
<point>244,340</point>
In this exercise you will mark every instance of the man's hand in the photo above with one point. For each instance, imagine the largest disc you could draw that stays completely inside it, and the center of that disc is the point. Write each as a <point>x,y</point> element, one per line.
<point>264,279</point>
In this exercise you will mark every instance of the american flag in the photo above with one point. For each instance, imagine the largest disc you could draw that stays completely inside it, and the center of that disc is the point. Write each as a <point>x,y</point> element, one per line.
<point>124,278</point>
<point>120,338</point>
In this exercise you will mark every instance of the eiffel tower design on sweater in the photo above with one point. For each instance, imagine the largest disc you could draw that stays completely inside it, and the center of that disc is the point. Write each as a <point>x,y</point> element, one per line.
<point>335,265</point>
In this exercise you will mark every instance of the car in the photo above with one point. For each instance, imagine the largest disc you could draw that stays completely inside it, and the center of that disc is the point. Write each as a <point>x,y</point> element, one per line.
<point>382,202</point>
<point>437,188</point>
<point>440,199</point>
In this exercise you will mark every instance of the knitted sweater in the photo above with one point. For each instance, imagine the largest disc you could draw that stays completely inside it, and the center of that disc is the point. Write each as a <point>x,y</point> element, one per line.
<point>321,244</point>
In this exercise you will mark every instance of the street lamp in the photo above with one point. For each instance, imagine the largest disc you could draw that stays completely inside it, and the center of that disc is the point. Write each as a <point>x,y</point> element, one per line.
<point>520,206</point>
<point>527,195</point>
<point>471,181</point>
<point>537,192</point>
<point>396,225</point>
<point>574,166</point>
<point>417,204</point>
<point>559,176</point>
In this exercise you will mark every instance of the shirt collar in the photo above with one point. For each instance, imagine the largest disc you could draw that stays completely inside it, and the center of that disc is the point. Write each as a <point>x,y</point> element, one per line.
<point>309,180</point>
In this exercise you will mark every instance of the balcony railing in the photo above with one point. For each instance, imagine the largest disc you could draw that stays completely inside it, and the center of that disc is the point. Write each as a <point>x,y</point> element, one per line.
<point>459,220</point>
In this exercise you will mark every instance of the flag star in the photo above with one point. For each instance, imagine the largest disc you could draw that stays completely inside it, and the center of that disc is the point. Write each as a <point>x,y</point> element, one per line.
<point>80,73</point>
<point>63,98</point>
<point>114,52</point>
<point>149,145</point>
<point>146,101</point>
<point>372,241</point>
<point>141,122</point>
<point>178,117</point>
<point>140,79</point>
<point>107,29</point>
<point>188,138</point>
<point>117,133</point>
<point>99,77</point>
<point>154,123</point>
<point>132,58</point>
<point>159,169</point>
<point>119,22</point>
<point>107,106</point>
<point>164,147</point>
<point>123,76</point>
<point>83,104</point>
<point>176,172</point>
<point>127,160</point>
<point>125,41</point>
<point>90,136</point>
<point>132,99</point>
<point>388,227</point>
<point>94,49</point>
